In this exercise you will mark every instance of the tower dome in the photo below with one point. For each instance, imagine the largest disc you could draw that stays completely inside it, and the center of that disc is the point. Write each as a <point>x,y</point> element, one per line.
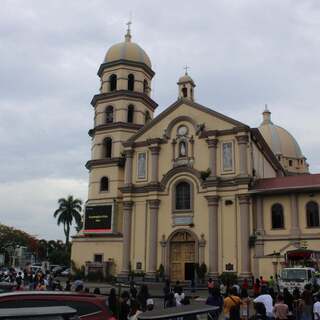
<point>283,145</point>
<point>127,50</point>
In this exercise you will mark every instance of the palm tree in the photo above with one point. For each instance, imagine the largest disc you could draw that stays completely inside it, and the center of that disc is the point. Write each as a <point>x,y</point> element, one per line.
<point>69,210</point>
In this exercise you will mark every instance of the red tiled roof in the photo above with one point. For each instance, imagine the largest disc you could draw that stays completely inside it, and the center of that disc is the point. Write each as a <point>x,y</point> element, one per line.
<point>288,182</point>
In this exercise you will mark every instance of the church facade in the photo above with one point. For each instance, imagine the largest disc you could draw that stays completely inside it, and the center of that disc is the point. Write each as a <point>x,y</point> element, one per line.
<point>189,186</point>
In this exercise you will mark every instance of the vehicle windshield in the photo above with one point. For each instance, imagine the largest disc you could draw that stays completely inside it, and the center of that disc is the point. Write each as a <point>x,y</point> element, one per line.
<point>298,275</point>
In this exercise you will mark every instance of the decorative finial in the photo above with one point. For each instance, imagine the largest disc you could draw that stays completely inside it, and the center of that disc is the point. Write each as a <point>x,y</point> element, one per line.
<point>186,68</point>
<point>128,34</point>
<point>266,115</point>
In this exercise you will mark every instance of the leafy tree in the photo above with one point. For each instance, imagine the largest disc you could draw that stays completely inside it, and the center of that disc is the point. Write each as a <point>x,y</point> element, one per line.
<point>69,210</point>
<point>11,239</point>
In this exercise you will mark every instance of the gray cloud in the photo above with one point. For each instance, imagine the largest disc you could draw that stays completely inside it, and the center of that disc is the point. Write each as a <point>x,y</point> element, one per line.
<point>242,54</point>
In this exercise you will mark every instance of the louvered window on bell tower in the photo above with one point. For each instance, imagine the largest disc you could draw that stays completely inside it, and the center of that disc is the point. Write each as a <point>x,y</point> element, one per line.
<point>130,82</point>
<point>109,114</point>
<point>108,147</point>
<point>113,82</point>
<point>185,92</point>
<point>145,86</point>
<point>130,113</point>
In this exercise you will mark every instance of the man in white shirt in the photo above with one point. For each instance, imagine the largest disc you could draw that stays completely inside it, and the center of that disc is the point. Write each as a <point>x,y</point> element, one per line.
<point>316,308</point>
<point>266,299</point>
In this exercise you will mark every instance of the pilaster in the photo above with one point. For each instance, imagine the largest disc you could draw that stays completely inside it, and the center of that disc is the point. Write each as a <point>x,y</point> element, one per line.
<point>213,204</point>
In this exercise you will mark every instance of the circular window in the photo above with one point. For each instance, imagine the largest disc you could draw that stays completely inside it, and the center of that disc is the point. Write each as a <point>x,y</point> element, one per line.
<point>182,131</point>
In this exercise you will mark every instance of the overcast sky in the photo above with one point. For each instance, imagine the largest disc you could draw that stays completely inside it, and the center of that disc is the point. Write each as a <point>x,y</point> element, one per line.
<point>242,54</point>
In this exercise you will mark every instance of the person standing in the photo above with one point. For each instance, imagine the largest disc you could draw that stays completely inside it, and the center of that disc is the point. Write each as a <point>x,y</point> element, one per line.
<point>113,302</point>
<point>215,299</point>
<point>124,309</point>
<point>280,309</point>
<point>166,292</point>
<point>266,299</point>
<point>245,304</point>
<point>231,306</point>
<point>143,296</point>
<point>307,303</point>
<point>256,287</point>
<point>316,308</point>
<point>210,284</point>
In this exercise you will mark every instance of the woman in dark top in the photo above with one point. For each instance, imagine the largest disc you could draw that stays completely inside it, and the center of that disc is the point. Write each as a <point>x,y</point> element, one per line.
<point>288,299</point>
<point>215,299</point>
<point>166,292</point>
<point>143,296</point>
<point>171,302</point>
<point>113,302</point>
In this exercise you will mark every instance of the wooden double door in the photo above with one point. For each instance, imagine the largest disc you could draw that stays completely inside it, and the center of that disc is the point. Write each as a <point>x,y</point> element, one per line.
<point>182,257</point>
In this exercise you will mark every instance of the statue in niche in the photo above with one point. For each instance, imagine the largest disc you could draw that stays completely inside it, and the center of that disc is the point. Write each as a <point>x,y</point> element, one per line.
<point>182,149</point>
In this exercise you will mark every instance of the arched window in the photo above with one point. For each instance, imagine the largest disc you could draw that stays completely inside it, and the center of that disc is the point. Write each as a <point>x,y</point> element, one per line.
<point>182,149</point>
<point>109,114</point>
<point>113,82</point>
<point>183,196</point>
<point>277,216</point>
<point>108,147</point>
<point>131,82</point>
<point>147,117</point>
<point>185,92</point>
<point>312,214</point>
<point>145,86</point>
<point>130,113</point>
<point>104,184</point>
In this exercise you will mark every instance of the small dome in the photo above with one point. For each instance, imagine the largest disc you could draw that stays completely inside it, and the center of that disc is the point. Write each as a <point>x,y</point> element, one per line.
<point>127,50</point>
<point>185,79</point>
<point>279,140</point>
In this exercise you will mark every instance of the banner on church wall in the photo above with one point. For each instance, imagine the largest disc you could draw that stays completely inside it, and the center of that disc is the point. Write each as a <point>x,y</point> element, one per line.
<point>98,219</point>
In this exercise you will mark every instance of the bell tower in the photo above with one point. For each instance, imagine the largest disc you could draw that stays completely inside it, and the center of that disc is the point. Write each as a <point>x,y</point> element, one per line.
<point>121,108</point>
<point>186,86</point>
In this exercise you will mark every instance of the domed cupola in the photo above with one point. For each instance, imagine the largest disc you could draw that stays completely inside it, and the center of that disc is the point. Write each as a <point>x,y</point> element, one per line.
<point>127,51</point>
<point>283,145</point>
<point>186,86</point>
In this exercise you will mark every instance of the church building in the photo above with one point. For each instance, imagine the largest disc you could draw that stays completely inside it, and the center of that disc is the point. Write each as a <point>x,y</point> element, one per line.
<point>190,185</point>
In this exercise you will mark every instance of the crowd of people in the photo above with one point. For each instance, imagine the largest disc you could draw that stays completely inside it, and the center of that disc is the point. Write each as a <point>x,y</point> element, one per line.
<point>266,303</point>
<point>232,301</point>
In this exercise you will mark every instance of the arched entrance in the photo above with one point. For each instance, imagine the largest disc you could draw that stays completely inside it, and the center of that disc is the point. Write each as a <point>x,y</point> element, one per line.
<point>183,256</point>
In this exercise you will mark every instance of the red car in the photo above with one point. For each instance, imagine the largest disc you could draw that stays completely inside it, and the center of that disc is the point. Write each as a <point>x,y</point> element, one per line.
<point>89,306</point>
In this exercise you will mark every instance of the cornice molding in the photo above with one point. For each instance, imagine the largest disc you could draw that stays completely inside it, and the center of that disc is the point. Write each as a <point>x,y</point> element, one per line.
<point>125,94</point>
<point>118,161</point>
<point>106,65</point>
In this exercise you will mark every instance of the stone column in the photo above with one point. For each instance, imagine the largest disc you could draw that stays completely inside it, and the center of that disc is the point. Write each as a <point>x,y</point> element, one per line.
<point>295,228</point>
<point>153,238</point>
<point>243,158</point>
<point>244,201</point>
<point>213,203</point>
<point>128,167</point>
<point>155,150</point>
<point>173,143</point>
<point>212,145</point>
<point>126,231</point>
<point>202,245</point>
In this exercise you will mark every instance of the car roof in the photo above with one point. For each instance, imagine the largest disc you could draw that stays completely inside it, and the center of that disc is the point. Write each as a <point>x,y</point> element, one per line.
<point>41,311</point>
<point>177,312</point>
<point>49,293</point>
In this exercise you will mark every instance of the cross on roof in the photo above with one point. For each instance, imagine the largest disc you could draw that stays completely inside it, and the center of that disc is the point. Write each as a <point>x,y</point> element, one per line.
<point>186,68</point>
<point>129,24</point>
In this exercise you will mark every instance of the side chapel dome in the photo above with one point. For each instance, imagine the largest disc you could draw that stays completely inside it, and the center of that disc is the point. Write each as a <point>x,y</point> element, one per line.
<point>283,144</point>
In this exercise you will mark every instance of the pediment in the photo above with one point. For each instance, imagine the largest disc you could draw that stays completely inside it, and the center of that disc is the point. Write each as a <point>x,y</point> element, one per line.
<point>201,118</point>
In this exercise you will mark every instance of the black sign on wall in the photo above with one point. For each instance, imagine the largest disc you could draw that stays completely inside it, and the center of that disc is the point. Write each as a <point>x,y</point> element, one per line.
<point>98,219</point>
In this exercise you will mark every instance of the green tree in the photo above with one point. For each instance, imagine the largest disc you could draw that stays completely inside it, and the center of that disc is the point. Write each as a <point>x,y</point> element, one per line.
<point>69,210</point>
<point>11,239</point>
